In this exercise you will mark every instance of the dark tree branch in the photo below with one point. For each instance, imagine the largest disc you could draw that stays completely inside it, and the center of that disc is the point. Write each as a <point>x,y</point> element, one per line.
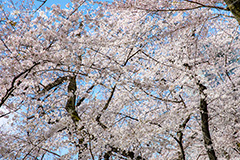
<point>36,146</point>
<point>9,113</point>
<point>130,56</point>
<point>161,99</point>
<point>184,104</point>
<point>70,106</point>
<point>104,108</point>
<point>6,45</point>
<point>57,82</point>
<point>228,75</point>
<point>75,9</point>
<point>43,2</point>
<point>234,7</point>
<point>200,5</point>
<point>128,154</point>
<point>135,119</point>
<point>204,118</point>
<point>83,98</point>
<point>205,5</point>
<point>180,137</point>
<point>13,87</point>
<point>204,122</point>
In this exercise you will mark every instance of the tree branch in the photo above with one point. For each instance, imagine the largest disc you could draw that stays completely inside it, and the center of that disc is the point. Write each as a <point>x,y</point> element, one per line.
<point>43,2</point>
<point>70,106</point>
<point>180,137</point>
<point>206,6</point>
<point>128,154</point>
<point>104,108</point>
<point>12,88</point>
<point>83,98</point>
<point>57,82</point>
<point>159,98</point>
<point>204,122</point>
<point>234,7</point>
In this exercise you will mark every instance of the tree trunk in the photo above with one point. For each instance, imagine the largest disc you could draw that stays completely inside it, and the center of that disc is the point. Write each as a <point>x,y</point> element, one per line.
<point>205,126</point>
<point>234,7</point>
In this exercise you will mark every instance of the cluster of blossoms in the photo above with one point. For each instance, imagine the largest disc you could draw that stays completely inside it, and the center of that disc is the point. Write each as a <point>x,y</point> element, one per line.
<point>126,79</point>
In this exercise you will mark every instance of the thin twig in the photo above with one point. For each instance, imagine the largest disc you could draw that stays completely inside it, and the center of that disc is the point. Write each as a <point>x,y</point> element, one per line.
<point>162,99</point>
<point>207,6</point>
<point>43,2</point>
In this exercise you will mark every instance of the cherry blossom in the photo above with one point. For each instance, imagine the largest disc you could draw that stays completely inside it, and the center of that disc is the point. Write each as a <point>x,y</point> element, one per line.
<point>147,79</point>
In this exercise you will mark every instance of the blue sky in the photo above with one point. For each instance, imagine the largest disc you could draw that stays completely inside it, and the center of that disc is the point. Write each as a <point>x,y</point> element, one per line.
<point>49,3</point>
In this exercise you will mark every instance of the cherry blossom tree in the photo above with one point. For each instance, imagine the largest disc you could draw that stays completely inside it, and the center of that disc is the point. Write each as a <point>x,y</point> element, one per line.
<point>129,79</point>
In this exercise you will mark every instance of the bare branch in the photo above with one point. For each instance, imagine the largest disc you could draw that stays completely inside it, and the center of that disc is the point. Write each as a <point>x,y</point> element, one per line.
<point>6,45</point>
<point>43,2</point>
<point>207,6</point>
<point>159,98</point>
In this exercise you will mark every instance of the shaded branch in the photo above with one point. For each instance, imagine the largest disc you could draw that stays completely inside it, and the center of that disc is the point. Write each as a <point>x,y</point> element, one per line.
<point>162,99</point>
<point>9,113</point>
<point>234,7</point>
<point>104,108</point>
<point>37,145</point>
<point>128,154</point>
<point>184,104</point>
<point>205,5</point>
<point>83,98</point>
<point>70,106</point>
<point>200,5</point>
<point>75,9</point>
<point>130,56</point>
<point>6,45</point>
<point>136,119</point>
<point>12,88</point>
<point>43,2</point>
<point>204,122</point>
<point>180,137</point>
<point>228,75</point>
<point>204,119</point>
<point>57,82</point>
